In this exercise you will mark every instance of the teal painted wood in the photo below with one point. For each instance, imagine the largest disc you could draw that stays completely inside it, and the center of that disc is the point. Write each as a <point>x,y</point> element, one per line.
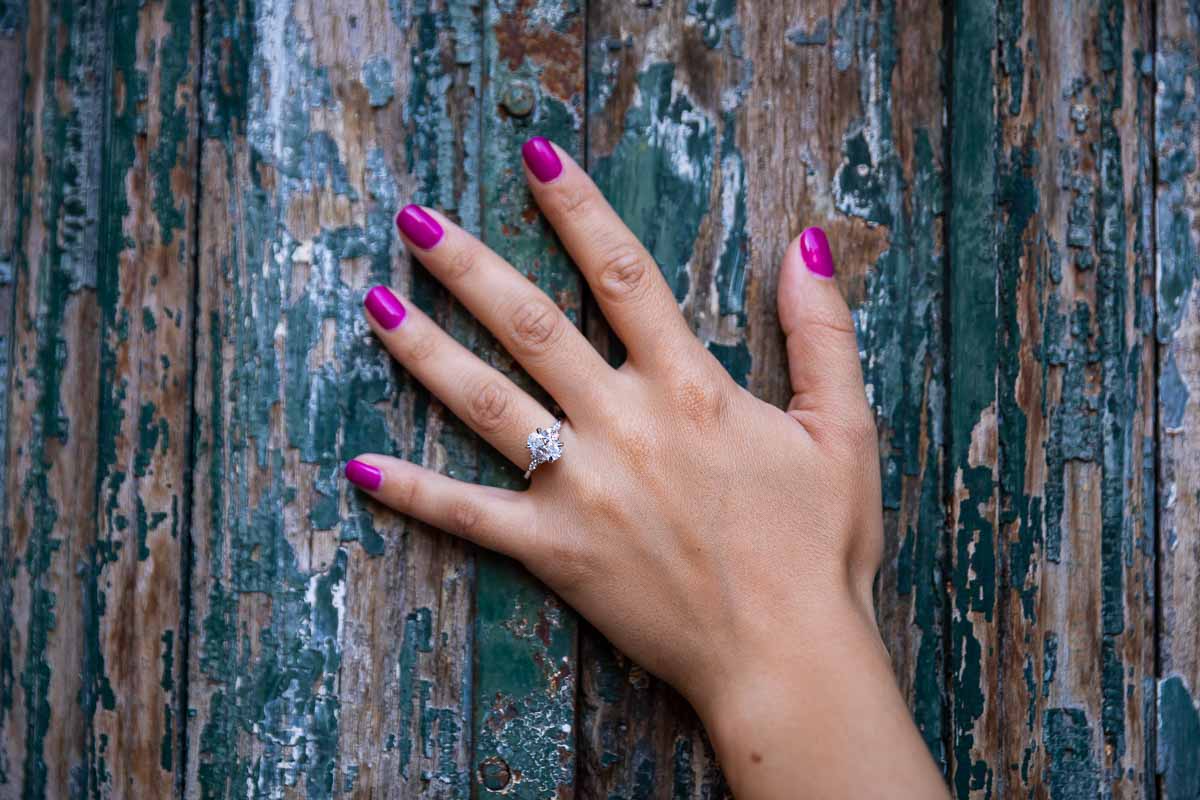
<point>526,667</point>
<point>1053,581</point>
<point>331,638</point>
<point>1177,206</point>
<point>972,433</point>
<point>93,526</point>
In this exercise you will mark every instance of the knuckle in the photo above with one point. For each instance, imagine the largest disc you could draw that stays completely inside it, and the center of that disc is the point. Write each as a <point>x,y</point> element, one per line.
<point>406,492</point>
<point>535,326</point>
<point>467,518</point>
<point>460,261</point>
<point>834,320</point>
<point>698,396</point>
<point>489,407</point>
<point>623,273</point>
<point>574,202</point>
<point>418,347</point>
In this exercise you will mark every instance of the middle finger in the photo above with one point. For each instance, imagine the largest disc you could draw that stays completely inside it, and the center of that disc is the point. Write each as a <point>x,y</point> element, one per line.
<point>528,323</point>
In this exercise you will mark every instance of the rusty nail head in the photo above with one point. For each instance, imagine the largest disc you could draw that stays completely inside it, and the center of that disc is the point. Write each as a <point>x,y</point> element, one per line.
<point>494,774</point>
<point>518,98</point>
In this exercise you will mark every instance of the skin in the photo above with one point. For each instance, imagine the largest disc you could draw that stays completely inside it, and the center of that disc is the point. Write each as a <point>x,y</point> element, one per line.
<point>643,524</point>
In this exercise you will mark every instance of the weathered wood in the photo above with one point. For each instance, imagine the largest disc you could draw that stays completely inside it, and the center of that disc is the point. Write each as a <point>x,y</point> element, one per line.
<point>526,670</point>
<point>973,639</point>
<point>331,638</point>
<point>12,71</point>
<point>1054,572</point>
<point>134,604</point>
<point>1177,240</point>
<point>101,388</point>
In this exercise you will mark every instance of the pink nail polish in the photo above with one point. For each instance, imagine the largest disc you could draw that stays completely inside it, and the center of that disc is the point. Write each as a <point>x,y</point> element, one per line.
<point>415,223</point>
<point>814,248</point>
<point>364,475</point>
<point>385,307</point>
<point>542,160</point>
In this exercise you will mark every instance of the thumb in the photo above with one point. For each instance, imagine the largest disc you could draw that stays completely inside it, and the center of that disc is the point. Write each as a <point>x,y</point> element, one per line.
<point>822,348</point>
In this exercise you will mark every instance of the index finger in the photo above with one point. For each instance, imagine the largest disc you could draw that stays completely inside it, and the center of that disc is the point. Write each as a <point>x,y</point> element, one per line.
<point>628,285</point>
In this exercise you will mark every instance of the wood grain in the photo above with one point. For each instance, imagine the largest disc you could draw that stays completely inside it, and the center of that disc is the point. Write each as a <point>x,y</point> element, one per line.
<point>1177,240</point>
<point>331,638</point>
<point>100,385</point>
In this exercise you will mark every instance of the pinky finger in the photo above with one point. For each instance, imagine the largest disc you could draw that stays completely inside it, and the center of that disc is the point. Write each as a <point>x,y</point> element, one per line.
<point>498,519</point>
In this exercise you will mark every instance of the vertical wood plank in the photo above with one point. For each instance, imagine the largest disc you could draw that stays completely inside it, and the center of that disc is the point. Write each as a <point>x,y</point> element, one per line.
<point>526,668</point>
<point>973,435</point>
<point>1075,400</point>
<point>12,73</point>
<point>133,603</point>
<point>1052,649</point>
<point>720,131</point>
<point>49,525</point>
<point>332,638</point>
<point>1177,207</point>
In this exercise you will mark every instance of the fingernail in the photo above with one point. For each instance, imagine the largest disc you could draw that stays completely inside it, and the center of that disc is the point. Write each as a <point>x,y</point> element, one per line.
<point>542,160</point>
<point>814,248</point>
<point>415,223</point>
<point>364,475</point>
<point>385,307</point>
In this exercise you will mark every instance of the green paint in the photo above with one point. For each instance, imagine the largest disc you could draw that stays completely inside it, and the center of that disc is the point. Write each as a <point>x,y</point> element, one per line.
<point>524,680</point>
<point>658,175</point>
<point>377,77</point>
<point>1072,772</point>
<point>714,19</point>
<point>1176,114</point>
<point>972,362</point>
<point>900,331</point>
<point>1178,740</point>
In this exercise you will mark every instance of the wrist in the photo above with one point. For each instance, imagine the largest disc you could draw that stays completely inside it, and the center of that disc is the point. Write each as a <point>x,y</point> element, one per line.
<point>799,711</point>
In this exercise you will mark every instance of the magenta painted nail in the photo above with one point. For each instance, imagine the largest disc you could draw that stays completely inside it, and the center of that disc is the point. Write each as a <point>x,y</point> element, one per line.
<point>542,160</point>
<point>385,307</point>
<point>364,475</point>
<point>814,248</point>
<point>415,223</point>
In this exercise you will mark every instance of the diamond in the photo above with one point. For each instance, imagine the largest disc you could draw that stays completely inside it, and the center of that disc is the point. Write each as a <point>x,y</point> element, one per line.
<point>544,445</point>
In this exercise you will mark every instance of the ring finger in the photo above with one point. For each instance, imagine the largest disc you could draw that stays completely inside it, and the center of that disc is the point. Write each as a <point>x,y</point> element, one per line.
<point>491,404</point>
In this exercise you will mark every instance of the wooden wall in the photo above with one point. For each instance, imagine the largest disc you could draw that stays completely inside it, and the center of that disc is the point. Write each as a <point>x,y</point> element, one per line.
<point>193,603</point>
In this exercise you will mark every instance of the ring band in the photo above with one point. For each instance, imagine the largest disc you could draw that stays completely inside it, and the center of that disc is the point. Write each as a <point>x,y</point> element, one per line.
<point>544,446</point>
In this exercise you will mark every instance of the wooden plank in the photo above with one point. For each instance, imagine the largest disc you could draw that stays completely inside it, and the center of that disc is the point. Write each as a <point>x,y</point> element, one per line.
<point>332,639</point>
<point>49,526</point>
<point>1075,400</point>
<point>134,603</point>
<point>526,669</point>
<point>973,435</point>
<point>1053,643</point>
<point>12,71</point>
<point>1177,239</point>
<point>737,128</point>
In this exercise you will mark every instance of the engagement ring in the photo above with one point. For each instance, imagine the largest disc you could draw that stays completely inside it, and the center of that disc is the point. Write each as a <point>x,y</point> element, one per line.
<point>544,445</point>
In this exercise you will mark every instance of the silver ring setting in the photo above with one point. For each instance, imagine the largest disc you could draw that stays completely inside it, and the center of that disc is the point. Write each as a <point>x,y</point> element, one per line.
<point>544,446</point>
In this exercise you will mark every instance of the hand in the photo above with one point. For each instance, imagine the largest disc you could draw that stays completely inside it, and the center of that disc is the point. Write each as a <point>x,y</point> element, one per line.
<point>725,544</point>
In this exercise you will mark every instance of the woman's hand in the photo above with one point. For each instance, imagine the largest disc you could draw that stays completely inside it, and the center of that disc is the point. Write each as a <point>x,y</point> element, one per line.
<point>726,545</point>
